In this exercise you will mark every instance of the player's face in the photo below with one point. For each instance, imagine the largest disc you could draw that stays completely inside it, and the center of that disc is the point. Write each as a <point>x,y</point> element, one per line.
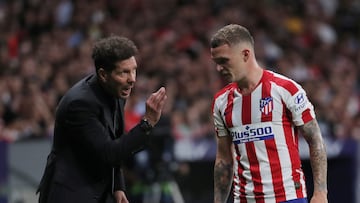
<point>121,80</point>
<point>228,62</point>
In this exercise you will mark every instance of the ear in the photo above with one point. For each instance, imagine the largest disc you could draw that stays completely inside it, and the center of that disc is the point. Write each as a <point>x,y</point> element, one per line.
<point>102,74</point>
<point>246,54</point>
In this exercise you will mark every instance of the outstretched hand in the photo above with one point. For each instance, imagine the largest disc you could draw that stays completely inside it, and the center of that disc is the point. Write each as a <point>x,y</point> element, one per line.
<point>154,106</point>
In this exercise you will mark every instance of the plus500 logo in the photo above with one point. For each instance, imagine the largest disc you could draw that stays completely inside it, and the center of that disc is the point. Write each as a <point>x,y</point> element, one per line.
<point>252,132</point>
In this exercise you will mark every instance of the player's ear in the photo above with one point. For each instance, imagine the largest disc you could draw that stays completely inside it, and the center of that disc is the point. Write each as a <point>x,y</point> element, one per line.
<point>246,54</point>
<point>102,74</point>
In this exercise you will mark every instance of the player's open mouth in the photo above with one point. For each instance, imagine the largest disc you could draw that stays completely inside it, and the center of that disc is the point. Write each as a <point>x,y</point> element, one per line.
<point>126,91</point>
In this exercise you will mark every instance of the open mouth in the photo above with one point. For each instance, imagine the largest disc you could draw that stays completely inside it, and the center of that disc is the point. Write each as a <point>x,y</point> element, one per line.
<point>126,91</point>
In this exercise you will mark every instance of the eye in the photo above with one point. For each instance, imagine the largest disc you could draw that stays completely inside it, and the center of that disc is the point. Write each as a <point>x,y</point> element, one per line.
<point>221,61</point>
<point>126,72</point>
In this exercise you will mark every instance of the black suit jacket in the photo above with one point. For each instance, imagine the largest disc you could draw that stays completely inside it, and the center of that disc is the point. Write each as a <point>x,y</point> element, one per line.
<point>89,146</point>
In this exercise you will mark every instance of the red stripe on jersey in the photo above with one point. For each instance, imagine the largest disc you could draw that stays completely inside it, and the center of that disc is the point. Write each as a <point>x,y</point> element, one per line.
<point>225,89</point>
<point>255,172</point>
<point>306,116</point>
<point>271,149</point>
<point>293,149</point>
<point>287,84</point>
<point>246,110</point>
<point>265,93</point>
<point>251,153</point>
<point>229,109</point>
<point>242,179</point>
<point>221,92</point>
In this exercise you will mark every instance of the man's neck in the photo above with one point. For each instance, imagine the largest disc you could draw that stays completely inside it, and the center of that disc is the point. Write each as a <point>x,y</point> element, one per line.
<point>248,84</point>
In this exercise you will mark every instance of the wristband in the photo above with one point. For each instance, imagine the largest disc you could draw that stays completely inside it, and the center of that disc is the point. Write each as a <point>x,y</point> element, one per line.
<point>145,125</point>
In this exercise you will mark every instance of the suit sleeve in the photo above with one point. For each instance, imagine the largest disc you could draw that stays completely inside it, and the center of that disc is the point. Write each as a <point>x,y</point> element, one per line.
<point>90,133</point>
<point>119,181</point>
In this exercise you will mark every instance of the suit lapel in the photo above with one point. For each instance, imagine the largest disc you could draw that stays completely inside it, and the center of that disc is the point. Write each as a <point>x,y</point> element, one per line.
<point>106,103</point>
<point>121,119</point>
<point>110,120</point>
<point>108,112</point>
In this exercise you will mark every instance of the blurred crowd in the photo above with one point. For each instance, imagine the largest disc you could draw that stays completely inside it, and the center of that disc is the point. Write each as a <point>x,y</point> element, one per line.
<point>45,47</point>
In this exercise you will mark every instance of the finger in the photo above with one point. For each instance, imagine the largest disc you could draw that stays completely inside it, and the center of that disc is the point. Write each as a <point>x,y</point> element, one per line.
<point>160,100</point>
<point>162,103</point>
<point>156,98</point>
<point>159,105</point>
<point>159,95</point>
<point>161,89</point>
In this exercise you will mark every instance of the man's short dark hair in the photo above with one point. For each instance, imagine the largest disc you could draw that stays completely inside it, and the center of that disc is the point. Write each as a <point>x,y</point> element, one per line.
<point>108,51</point>
<point>231,34</point>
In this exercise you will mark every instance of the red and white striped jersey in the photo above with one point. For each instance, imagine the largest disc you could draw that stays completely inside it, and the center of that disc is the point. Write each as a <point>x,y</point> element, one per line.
<point>267,166</point>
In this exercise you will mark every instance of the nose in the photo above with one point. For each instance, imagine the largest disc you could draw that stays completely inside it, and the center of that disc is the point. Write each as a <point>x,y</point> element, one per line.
<point>219,68</point>
<point>132,77</point>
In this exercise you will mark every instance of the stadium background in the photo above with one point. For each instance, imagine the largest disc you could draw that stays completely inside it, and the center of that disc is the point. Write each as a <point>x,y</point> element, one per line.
<point>45,46</point>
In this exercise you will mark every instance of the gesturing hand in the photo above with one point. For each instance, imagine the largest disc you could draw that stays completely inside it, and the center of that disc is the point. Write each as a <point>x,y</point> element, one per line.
<point>154,106</point>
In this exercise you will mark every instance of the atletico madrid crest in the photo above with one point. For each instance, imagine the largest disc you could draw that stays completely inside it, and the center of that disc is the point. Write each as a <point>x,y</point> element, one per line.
<point>266,105</point>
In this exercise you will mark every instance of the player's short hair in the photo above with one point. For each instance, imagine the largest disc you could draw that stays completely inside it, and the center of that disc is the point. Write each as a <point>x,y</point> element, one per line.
<point>231,34</point>
<point>108,51</point>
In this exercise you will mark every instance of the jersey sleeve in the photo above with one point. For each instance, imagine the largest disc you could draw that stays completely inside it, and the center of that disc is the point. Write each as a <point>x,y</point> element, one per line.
<point>301,109</point>
<point>219,124</point>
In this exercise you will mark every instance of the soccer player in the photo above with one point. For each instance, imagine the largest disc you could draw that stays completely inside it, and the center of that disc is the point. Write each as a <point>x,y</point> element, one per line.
<point>258,117</point>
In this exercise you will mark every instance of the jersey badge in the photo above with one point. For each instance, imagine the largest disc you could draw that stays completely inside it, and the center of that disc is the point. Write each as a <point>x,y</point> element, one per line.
<point>300,101</point>
<point>266,105</point>
<point>300,98</point>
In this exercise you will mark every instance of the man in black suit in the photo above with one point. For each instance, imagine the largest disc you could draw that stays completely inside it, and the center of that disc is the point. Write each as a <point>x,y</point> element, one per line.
<point>84,165</point>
